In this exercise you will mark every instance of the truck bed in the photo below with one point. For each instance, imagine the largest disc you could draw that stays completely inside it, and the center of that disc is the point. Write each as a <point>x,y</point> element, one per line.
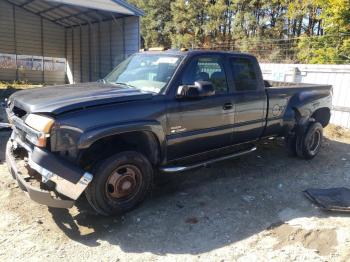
<point>280,84</point>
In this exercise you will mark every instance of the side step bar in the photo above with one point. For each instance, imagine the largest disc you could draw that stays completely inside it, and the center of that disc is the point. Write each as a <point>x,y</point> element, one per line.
<point>176,169</point>
<point>5,126</point>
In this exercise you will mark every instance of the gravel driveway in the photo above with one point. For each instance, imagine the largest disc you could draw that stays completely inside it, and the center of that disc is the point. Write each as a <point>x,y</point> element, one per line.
<point>249,209</point>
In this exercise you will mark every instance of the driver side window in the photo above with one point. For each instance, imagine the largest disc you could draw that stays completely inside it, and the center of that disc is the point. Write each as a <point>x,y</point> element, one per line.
<point>210,68</point>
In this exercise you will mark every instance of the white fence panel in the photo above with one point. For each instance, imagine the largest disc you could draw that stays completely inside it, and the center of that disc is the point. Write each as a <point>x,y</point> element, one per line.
<point>336,75</point>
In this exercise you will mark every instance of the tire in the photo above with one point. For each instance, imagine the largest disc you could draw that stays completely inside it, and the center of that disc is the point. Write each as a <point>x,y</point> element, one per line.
<point>120,183</point>
<point>309,144</point>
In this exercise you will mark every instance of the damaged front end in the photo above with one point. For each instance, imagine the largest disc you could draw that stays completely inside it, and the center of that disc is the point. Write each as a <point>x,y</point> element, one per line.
<point>47,178</point>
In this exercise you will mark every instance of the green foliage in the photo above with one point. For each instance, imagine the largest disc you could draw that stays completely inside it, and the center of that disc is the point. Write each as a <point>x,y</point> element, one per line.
<point>334,46</point>
<point>188,26</point>
<point>305,31</point>
<point>154,23</point>
<point>324,50</point>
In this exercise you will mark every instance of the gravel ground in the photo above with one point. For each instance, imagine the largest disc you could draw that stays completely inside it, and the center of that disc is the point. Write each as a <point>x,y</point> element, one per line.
<point>249,209</point>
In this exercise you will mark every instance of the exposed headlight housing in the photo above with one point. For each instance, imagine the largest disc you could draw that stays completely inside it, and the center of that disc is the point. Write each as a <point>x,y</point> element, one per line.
<point>42,124</point>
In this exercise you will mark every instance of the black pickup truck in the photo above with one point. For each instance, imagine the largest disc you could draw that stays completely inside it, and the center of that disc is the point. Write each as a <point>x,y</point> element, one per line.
<point>157,112</point>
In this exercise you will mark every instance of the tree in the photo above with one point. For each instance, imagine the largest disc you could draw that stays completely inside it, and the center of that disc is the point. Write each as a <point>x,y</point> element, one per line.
<point>215,22</point>
<point>154,23</point>
<point>271,29</point>
<point>187,24</point>
<point>334,46</point>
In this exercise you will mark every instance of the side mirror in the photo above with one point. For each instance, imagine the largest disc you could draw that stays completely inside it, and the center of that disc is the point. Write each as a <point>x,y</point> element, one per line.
<point>199,89</point>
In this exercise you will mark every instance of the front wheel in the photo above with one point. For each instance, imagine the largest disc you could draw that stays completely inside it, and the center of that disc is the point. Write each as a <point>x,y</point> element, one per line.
<point>308,145</point>
<point>120,183</point>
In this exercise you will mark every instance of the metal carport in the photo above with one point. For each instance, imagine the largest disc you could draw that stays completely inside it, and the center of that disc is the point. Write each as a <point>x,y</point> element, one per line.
<point>65,41</point>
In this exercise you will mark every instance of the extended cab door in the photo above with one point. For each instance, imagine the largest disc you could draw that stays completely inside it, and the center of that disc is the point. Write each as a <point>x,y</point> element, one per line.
<point>201,124</point>
<point>249,99</point>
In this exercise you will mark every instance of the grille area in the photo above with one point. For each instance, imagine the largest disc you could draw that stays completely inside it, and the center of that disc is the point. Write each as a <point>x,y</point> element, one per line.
<point>19,112</point>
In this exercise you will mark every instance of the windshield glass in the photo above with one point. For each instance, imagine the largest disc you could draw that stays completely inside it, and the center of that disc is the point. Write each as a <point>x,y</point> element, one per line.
<point>147,72</point>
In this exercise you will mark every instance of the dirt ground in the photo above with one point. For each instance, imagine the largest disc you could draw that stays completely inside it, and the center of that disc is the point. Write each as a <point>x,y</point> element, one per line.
<point>248,209</point>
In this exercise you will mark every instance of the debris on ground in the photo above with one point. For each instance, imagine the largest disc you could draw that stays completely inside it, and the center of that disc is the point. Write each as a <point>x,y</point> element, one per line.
<point>332,199</point>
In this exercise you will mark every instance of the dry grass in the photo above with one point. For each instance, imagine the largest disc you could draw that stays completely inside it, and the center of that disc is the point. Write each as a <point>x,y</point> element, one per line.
<point>7,88</point>
<point>17,85</point>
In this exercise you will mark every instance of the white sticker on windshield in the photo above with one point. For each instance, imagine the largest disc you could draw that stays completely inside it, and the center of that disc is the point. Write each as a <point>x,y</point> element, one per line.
<point>167,60</point>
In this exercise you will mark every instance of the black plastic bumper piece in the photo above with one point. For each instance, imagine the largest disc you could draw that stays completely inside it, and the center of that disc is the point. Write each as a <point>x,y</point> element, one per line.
<point>36,194</point>
<point>331,199</point>
<point>57,165</point>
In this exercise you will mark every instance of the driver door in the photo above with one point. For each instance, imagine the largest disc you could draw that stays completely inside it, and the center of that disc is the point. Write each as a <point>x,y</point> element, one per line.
<point>201,124</point>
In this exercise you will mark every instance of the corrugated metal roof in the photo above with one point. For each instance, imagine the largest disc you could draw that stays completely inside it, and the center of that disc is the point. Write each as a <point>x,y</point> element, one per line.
<point>70,13</point>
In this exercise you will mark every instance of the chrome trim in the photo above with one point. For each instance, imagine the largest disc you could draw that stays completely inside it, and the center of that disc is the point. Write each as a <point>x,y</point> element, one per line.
<point>63,186</point>
<point>17,141</point>
<point>38,195</point>
<point>71,190</point>
<point>177,169</point>
<point>30,134</point>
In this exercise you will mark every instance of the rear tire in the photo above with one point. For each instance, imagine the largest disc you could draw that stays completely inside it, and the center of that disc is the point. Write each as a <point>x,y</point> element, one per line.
<point>309,144</point>
<point>120,183</point>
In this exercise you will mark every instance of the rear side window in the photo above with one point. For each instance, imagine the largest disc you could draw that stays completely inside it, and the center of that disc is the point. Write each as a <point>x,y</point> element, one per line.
<point>244,74</point>
<point>207,69</point>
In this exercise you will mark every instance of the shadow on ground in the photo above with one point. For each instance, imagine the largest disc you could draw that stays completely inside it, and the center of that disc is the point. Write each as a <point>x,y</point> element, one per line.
<point>206,209</point>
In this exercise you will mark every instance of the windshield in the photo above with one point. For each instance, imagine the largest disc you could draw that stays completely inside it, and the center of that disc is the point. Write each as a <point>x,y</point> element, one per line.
<point>147,72</point>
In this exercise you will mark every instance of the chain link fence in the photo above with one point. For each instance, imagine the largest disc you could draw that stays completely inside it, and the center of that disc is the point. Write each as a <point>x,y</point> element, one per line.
<point>327,49</point>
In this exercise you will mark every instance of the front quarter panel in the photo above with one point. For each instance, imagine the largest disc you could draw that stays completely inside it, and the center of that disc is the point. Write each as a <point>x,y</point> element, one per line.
<point>79,130</point>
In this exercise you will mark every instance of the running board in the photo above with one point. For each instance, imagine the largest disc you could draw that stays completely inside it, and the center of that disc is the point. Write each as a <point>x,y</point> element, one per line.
<point>177,169</point>
<point>5,126</point>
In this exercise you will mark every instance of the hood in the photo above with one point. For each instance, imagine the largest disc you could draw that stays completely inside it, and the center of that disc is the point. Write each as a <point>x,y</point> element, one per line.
<point>64,98</point>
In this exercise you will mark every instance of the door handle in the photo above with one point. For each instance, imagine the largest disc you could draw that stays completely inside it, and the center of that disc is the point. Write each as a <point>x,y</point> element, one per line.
<point>228,106</point>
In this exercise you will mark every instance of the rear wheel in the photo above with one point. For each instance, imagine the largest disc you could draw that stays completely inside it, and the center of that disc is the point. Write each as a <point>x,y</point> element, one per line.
<point>309,144</point>
<point>120,183</point>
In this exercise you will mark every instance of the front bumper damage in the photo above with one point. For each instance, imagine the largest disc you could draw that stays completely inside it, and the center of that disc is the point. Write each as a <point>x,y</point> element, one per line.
<point>47,179</point>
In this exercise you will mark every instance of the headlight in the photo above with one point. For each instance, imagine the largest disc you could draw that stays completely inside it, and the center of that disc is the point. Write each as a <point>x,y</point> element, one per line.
<point>40,123</point>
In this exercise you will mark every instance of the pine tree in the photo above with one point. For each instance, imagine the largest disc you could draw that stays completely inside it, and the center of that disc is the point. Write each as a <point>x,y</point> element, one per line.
<point>187,25</point>
<point>215,24</point>
<point>261,27</point>
<point>153,24</point>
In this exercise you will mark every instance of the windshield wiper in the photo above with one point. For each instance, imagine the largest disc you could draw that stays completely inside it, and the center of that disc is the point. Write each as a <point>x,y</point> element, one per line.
<point>125,84</point>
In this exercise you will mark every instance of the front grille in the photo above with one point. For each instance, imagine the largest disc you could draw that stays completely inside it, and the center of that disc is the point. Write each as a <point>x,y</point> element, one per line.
<point>23,132</point>
<point>19,112</point>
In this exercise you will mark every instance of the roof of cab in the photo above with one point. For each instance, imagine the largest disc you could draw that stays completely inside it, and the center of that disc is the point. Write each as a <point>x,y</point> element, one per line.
<point>196,52</point>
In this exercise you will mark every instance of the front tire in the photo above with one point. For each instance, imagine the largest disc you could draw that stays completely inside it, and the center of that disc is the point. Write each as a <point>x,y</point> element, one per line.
<point>120,183</point>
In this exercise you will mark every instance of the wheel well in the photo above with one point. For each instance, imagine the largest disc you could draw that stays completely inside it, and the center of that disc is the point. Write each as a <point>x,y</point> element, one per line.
<point>141,141</point>
<point>322,115</point>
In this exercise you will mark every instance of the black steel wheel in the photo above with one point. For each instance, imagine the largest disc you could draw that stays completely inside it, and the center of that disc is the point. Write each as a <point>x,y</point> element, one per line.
<point>120,183</point>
